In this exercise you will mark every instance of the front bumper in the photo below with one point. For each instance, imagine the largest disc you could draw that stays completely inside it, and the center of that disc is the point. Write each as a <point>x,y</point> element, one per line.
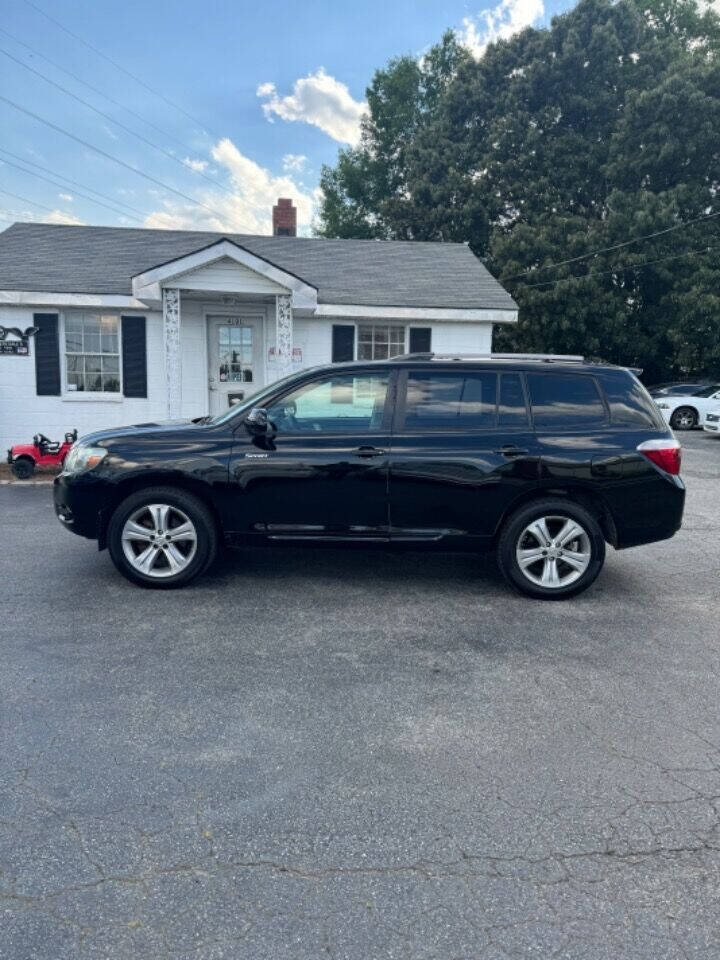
<point>80,504</point>
<point>712,426</point>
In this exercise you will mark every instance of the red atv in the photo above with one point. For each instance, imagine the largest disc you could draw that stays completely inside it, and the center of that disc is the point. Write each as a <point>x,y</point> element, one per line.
<point>24,457</point>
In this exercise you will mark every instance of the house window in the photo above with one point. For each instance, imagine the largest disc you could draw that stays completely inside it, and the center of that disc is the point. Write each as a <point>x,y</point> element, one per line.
<point>92,353</point>
<point>380,342</point>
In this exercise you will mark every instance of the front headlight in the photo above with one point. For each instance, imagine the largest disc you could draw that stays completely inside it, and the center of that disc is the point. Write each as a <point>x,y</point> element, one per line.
<point>83,458</point>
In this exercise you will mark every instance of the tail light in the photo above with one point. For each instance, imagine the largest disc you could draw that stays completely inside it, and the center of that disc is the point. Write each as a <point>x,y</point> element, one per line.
<point>665,453</point>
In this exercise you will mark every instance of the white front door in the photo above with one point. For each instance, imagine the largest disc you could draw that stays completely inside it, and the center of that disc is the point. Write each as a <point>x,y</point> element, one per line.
<point>235,357</point>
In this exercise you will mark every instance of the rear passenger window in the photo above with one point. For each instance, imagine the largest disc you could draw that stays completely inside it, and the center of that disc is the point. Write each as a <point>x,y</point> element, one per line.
<point>449,401</point>
<point>565,400</point>
<point>512,411</point>
<point>630,403</point>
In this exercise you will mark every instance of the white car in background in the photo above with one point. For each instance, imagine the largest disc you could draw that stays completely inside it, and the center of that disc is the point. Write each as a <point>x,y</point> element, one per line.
<point>711,423</point>
<point>687,411</point>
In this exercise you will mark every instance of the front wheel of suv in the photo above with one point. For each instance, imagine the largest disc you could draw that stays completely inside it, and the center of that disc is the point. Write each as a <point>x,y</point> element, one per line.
<point>551,549</point>
<point>162,537</point>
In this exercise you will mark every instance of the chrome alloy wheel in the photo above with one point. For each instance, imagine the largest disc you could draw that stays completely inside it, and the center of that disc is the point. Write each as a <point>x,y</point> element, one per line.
<point>159,540</point>
<point>684,420</point>
<point>553,551</point>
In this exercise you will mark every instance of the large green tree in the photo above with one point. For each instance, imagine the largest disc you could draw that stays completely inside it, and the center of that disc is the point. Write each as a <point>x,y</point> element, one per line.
<point>554,145</point>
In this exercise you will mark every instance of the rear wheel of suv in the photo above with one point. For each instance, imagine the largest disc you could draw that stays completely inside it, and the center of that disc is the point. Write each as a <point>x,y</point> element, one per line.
<point>684,418</point>
<point>551,549</point>
<point>162,537</point>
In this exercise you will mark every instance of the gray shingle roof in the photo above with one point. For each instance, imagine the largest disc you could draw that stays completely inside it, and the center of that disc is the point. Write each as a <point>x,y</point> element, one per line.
<point>70,259</point>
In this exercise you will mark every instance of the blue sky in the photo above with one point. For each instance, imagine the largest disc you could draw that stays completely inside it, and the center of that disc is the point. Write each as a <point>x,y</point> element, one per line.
<point>261,95</point>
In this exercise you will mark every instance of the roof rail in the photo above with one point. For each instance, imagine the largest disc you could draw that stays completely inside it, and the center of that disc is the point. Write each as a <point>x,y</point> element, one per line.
<point>542,357</point>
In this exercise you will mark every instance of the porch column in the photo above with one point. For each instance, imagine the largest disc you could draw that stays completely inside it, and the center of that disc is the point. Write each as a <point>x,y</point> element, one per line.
<point>283,335</point>
<point>173,357</point>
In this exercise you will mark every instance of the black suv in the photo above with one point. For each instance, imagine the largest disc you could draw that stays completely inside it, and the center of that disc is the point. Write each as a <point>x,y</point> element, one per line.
<point>542,459</point>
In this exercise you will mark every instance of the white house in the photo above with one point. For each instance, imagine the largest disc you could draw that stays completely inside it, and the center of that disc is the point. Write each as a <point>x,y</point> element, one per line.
<point>137,325</point>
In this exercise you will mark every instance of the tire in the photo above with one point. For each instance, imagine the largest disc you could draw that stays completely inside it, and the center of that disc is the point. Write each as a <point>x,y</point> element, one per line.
<point>23,468</point>
<point>167,546</point>
<point>535,577</point>
<point>684,418</point>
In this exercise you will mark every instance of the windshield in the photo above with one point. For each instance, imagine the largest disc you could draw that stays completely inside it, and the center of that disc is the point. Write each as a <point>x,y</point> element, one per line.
<point>256,399</point>
<point>707,391</point>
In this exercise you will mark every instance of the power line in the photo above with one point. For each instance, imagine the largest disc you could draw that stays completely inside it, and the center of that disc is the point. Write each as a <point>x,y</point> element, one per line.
<point>33,203</point>
<point>109,156</point>
<point>100,93</point>
<point>119,66</point>
<point>110,119</point>
<point>615,246</point>
<point>78,193</point>
<point>622,267</point>
<point>69,184</point>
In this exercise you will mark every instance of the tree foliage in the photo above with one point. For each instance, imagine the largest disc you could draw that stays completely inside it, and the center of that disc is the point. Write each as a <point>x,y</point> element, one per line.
<point>554,145</point>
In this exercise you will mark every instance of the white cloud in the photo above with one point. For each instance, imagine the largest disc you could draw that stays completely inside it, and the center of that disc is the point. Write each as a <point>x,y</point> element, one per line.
<point>59,216</point>
<point>197,165</point>
<point>28,216</point>
<point>320,100</point>
<point>499,23</point>
<point>247,210</point>
<point>67,197</point>
<point>294,161</point>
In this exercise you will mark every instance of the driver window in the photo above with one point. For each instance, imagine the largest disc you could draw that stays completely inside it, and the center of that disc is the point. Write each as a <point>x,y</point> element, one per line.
<point>345,403</point>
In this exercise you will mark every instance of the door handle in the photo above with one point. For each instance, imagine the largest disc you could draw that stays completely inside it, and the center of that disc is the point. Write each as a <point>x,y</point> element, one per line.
<point>369,452</point>
<point>510,450</point>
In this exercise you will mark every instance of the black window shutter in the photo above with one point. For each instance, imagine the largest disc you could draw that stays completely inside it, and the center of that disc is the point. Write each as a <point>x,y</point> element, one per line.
<point>134,357</point>
<point>47,355</point>
<point>343,342</point>
<point>420,339</point>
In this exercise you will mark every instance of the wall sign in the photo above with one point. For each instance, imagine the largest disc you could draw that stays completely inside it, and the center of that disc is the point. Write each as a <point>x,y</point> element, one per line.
<point>19,347</point>
<point>296,354</point>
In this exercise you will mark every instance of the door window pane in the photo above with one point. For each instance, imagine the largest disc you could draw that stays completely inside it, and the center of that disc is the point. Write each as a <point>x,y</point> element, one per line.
<point>565,400</point>
<point>351,403</point>
<point>235,353</point>
<point>511,404</point>
<point>450,401</point>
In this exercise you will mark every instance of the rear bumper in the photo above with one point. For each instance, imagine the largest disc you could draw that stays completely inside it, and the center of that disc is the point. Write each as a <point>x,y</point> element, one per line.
<point>80,502</point>
<point>652,511</point>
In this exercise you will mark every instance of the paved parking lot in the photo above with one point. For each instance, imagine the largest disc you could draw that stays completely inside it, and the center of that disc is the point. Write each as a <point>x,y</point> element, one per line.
<point>359,755</point>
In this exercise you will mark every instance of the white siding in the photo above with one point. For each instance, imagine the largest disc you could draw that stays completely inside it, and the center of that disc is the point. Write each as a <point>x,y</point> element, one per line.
<point>314,337</point>
<point>23,413</point>
<point>194,359</point>
<point>226,275</point>
<point>448,337</point>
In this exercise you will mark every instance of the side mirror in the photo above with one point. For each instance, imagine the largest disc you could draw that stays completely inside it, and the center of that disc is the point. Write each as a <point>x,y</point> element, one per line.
<point>256,422</point>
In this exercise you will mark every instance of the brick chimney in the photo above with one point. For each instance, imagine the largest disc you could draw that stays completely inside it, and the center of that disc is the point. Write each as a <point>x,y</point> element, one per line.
<point>284,218</point>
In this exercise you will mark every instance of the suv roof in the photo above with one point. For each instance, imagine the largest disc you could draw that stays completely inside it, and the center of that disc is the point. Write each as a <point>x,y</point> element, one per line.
<point>539,357</point>
<point>525,361</point>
